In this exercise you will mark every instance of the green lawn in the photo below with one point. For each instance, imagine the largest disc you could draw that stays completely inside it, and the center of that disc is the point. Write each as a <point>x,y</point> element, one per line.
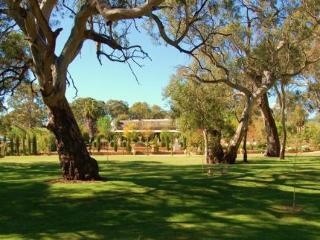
<point>160,198</point>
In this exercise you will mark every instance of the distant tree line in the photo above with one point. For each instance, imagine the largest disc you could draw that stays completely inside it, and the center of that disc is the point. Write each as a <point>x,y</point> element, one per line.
<point>206,115</point>
<point>24,116</point>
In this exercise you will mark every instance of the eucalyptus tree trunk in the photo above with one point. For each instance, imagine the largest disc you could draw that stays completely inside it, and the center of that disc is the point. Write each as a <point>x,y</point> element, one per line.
<point>75,161</point>
<point>206,153</point>
<point>34,20</point>
<point>244,146</point>
<point>284,135</point>
<point>273,142</point>
<point>213,150</point>
<point>282,101</point>
<point>233,147</point>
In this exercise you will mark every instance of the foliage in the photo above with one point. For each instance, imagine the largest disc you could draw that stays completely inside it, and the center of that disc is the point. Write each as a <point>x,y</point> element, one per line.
<point>87,108</point>
<point>45,141</point>
<point>199,106</point>
<point>28,109</point>
<point>13,67</point>
<point>155,144</point>
<point>104,126</point>
<point>140,110</point>
<point>311,133</point>
<point>256,131</point>
<point>195,141</point>
<point>87,111</point>
<point>297,118</point>
<point>129,131</point>
<point>166,139</point>
<point>117,109</point>
<point>114,142</point>
<point>29,141</point>
<point>157,112</point>
<point>248,45</point>
<point>98,143</point>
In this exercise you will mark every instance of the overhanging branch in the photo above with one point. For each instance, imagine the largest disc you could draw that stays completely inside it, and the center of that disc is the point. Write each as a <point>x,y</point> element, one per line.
<point>115,14</point>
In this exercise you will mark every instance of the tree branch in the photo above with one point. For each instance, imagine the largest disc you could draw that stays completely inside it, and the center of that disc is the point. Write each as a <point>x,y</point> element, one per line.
<point>300,70</point>
<point>100,38</point>
<point>76,37</point>
<point>115,14</point>
<point>47,7</point>
<point>43,23</point>
<point>175,43</point>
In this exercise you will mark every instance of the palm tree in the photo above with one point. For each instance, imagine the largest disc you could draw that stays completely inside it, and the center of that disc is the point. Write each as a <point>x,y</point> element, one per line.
<point>92,110</point>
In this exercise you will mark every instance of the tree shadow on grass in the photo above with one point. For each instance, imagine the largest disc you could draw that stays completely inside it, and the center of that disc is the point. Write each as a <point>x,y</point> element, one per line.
<point>152,200</point>
<point>299,160</point>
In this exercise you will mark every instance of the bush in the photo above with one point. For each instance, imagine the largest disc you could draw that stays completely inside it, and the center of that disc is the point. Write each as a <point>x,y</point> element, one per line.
<point>305,148</point>
<point>115,146</point>
<point>34,145</point>
<point>98,143</point>
<point>128,146</point>
<point>2,149</point>
<point>86,137</point>
<point>155,145</point>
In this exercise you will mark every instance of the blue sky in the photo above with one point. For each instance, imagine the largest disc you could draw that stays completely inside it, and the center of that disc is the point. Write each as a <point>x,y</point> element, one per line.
<point>115,80</point>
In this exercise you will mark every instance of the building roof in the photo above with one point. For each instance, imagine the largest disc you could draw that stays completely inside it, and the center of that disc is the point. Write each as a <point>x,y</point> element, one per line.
<point>143,125</point>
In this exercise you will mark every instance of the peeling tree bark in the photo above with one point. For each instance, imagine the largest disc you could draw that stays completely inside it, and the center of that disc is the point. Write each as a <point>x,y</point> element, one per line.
<point>284,136</point>
<point>282,102</point>
<point>51,71</point>
<point>205,140</point>
<point>244,146</point>
<point>232,150</point>
<point>283,122</point>
<point>273,142</point>
<point>75,161</point>
<point>213,148</point>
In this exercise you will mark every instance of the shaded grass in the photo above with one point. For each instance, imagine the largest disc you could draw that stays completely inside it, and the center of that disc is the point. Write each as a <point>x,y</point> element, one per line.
<point>160,197</point>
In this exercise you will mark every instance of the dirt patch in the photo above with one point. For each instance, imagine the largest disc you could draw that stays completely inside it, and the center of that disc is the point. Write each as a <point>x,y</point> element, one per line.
<point>288,209</point>
<point>295,209</point>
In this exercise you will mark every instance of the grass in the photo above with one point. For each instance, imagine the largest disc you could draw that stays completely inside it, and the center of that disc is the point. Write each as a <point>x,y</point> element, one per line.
<point>149,197</point>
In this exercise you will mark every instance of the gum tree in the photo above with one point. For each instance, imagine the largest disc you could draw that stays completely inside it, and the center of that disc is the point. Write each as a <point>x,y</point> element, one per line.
<point>201,107</point>
<point>13,64</point>
<point>264,42</point>
<point>107,24</point>
<point>117,108</point>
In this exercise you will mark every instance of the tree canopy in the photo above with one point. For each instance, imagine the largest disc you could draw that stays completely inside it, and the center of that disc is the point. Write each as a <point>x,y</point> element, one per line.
<point>117,109</point>
<point>246,45</point>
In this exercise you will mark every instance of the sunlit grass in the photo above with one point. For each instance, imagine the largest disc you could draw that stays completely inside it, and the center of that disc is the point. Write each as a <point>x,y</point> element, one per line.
<point>161,197</point>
